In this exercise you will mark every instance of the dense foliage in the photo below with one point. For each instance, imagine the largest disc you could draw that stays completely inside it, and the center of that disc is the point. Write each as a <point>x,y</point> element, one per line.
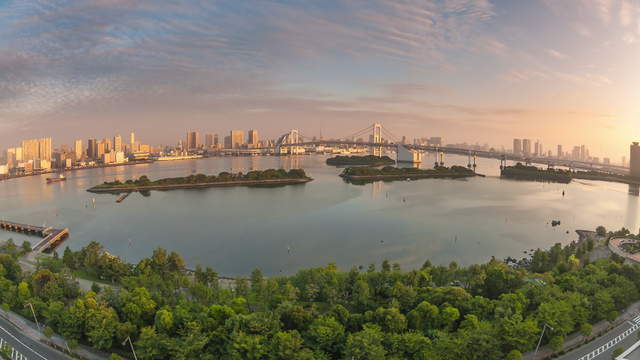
<point>370,160</point>
<point>524,172</point>
<point>488,311</point>
<point>406,172</point>
<point>255,175</point>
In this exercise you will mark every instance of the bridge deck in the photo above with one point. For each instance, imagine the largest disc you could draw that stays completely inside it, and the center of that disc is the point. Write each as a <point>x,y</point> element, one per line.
<point>51,238</point>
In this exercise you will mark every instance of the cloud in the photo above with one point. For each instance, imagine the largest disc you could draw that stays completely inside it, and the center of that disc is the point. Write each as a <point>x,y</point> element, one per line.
<point>556,54</point>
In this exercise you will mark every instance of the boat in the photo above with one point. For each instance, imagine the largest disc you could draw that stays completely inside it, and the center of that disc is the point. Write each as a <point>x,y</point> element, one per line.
<point>56,179</point>
<point>122,197</point>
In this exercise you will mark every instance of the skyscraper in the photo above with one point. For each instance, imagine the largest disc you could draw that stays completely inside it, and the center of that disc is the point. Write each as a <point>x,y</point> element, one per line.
<point>117,143</point>
<point>517,146</point>
<point>208,140</point>
<point>526,147</point>
<point>132,138</point>
<point>37,149</point>
<point>253,138</point>
<point>560,153</point>
<point>78,149</point>
<point>92,149</point>
<point>237,139</point>
<point>193,140</point>
<point>634,160</point>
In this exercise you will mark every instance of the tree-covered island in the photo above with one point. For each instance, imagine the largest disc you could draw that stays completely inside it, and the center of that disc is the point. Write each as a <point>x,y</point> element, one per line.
<point>389,173</point>
<point>269,177</point>
<point>524,172</point>
<point>369,160</point>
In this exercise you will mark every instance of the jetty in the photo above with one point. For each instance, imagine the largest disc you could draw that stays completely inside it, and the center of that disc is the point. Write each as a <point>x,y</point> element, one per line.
<point>51,237</point>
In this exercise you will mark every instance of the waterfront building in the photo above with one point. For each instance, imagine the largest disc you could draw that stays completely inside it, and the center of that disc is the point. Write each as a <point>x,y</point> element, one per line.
<point>634,159</point>
<point>132,139</point>
<point>227,142</point>
<point>117,143</point>
<point>92,149</point>
<point>606,161</point>
<point>210,140</point>
<point>526,147</point>
<point>37,149</point>
<point>78,149</point>
<point>253,138</point>
<point>517,146</point>
<point>536,149</point>
<point>193,140</point>
<point>237,139</point>
<point>560,153</point>
<point>575,154</point>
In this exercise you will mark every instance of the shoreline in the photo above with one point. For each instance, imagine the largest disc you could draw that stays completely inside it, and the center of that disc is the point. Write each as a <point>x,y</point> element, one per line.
<point>119,190</point>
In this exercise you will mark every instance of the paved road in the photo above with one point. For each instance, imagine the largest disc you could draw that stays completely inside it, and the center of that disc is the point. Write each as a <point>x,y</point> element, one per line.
<point>601,343</point>
<point>29,348</point>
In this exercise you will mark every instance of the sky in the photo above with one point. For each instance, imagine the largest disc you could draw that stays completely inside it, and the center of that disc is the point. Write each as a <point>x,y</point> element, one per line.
<point>477,71</point>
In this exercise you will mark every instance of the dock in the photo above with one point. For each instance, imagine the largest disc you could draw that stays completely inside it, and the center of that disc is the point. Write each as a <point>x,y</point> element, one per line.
<point>51,238</point>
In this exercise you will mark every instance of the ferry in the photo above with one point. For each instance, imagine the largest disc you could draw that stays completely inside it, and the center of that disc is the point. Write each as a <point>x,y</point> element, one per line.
<point>56,179</point>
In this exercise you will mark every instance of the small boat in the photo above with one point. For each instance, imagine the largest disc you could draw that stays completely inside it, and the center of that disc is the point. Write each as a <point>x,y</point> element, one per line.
<point>122,197</point>
<point>56,179</point>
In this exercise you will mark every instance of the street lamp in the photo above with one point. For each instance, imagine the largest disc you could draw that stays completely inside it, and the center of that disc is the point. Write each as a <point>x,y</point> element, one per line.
<point>34,315</point>
<point>541,335</point>
<point>128,339</point>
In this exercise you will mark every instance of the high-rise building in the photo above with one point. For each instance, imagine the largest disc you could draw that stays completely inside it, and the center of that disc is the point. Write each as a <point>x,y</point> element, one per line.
<point>227,142</point>
<point>108,144</point>
<point>536,149</point>
<point>237,139</point>
<point>92,149</point>
<point>517,146</point>
<point>583,153</point>
<point>253,138</point>
<point>634,160</point>
<point>101,149</point>
<point>193,140</point>
<point>78,149</point>
<point>208,140</point>
<point>37,149</point>
<point>526,147</point>
<point>117,143</point>
<point>132,138</point>
<point>624,161</point>
<point>216,142</point>
<point>575,154</point>
<point>560,154</point>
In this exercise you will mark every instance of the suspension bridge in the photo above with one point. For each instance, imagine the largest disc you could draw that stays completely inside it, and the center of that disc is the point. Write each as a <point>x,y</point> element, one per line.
<point>379,138</point>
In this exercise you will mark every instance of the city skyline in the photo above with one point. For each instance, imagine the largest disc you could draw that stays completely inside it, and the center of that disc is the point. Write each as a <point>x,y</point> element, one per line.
<point>474,71</point>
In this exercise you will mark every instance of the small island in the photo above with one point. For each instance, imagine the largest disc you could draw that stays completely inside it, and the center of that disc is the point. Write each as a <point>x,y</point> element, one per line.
<point>269,177</point>
<point>524,172</point>
<point>390,173</point>
<point>370,160</point>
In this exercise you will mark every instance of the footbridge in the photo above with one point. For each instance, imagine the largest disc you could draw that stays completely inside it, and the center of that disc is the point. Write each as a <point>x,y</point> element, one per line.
<point>51,238</point>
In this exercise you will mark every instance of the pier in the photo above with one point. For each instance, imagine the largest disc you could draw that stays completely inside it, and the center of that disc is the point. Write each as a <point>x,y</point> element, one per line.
<point>51,238</point>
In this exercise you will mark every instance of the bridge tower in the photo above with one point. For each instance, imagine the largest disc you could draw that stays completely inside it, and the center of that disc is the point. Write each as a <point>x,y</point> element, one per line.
<point>286,143</point>
<point>377,139</point>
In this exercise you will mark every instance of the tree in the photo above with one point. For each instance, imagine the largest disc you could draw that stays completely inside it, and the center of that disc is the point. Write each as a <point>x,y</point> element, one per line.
<point>164,321</point>
<point>365,345</point>
<point>585,329</point>
<point>288,345</point>
<point>326,334</point>
<point>514,355</point>
<point>601,231</point>
<point>424,317</point>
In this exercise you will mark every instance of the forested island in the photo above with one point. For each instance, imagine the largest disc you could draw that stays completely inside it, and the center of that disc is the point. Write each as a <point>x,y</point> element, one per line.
<point>269,177</point>
<point>524,172</point>
<point>369,160</point>
<point>494,310</point>
<point>390,173</point>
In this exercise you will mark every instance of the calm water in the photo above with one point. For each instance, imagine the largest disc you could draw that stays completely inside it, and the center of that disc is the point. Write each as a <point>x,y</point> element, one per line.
<point>284,229</point>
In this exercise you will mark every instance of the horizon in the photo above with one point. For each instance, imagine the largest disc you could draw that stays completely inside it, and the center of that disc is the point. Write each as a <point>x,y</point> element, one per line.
<point>469,71</point>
